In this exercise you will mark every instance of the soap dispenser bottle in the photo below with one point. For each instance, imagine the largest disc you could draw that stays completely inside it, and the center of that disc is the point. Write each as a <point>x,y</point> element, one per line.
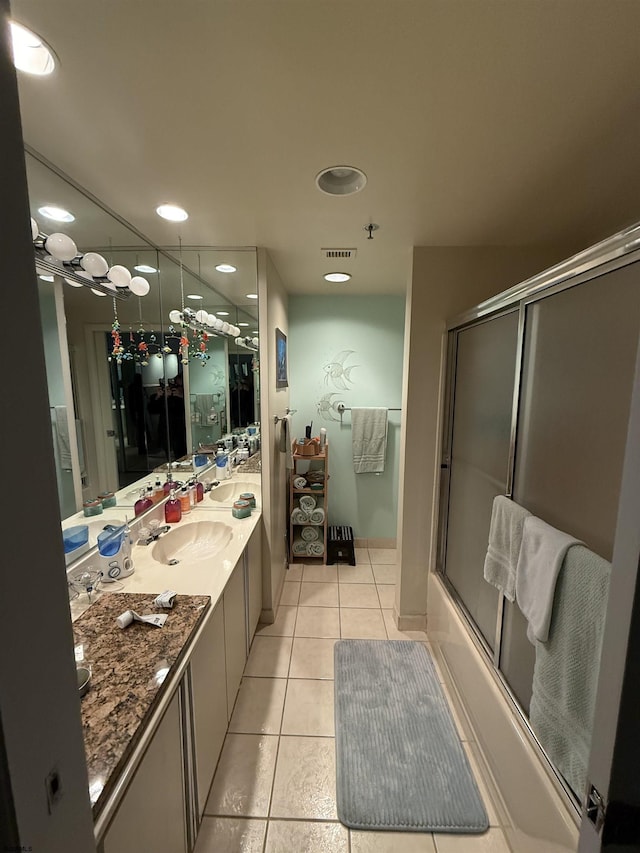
<point>169,484</point>
<point>185,500</point>
<point>158,491</point>
<point>222,465</point>
<point>143,503</point>
<point>172,509</point>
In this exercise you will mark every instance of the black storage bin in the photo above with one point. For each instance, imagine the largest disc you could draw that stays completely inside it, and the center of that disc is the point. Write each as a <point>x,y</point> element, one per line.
<point>340,545</point>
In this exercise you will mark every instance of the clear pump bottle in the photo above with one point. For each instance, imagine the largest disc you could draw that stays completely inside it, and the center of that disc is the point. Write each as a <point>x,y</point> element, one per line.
<point>185,500</point>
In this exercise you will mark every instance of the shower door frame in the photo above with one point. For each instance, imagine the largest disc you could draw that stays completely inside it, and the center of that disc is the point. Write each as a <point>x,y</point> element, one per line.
<point>612,254</point>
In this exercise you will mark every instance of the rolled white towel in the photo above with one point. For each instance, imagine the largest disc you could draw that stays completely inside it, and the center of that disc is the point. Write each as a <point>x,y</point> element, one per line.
<point>299,547</point>
<point>307,503</point>
<point>315,549</point>
<point>299,516</point>
<point>299,483</point>
<point>317,516</point>
<point>309,534</point>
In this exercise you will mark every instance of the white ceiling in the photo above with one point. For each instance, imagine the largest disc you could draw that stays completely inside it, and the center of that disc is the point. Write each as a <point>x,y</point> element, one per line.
<point>478,122</point>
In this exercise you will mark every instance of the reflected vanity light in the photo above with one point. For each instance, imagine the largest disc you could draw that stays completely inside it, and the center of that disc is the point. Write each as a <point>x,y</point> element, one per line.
<point>199,321</point>
<point>57,254</point>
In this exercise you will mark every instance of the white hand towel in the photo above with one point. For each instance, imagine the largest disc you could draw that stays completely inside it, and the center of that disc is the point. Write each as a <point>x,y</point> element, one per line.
<point>505,537</point>
<point>62,437</point>
<point>541,554</point>
<point>369,439</point>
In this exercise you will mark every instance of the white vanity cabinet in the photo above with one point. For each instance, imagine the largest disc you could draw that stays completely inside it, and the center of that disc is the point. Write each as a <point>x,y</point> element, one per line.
<point>151,815</point>
<point>253,557</point>
<point>235,632</point>
<point>209,701</point>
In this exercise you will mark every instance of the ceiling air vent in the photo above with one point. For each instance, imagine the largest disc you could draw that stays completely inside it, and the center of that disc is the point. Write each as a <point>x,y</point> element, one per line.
<point>339,253</point>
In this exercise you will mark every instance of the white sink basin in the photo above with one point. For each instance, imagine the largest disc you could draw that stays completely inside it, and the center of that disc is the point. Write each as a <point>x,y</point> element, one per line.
<point>192,542</point>
<point>227,493</point>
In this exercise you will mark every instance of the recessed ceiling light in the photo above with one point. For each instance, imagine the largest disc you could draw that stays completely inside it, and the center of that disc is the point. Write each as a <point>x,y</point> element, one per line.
<point>341,180</point>
<point>194,296</point>
<point>223,313</point>
<point>226,268</point>
<point>30,53</point>
<point>337,276</point>
<point>145,268</point>
<point>57,213</point>
<point>252,295</point>
<point>172,212</point>
<point>243,324</point>
<point>46,277</point>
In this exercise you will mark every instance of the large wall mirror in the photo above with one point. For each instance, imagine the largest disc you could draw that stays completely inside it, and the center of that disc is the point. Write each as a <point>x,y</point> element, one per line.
<point>115,421</point>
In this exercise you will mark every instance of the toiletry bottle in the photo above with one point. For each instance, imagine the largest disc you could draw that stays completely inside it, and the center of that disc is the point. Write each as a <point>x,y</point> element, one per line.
<point>158,491</point>
<point>172,509</point>
<point>169,484</point>
<point>185,500</point>
<point>149,493</point>
<point>199,491</point>
<point>222,464</point>
<point>191,488</point>
<point>143,503</point>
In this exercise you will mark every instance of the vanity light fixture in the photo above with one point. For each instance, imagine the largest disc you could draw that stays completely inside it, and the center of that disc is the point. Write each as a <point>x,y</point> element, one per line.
<point>226,268</point>
<point>341,180</point>
<point>52,211</point>
<point>252,295</point>
<point>30,53</point>
<point>194,296</point>
<point>172,212</point>
<point>145,268</point>
<point>337,276</point>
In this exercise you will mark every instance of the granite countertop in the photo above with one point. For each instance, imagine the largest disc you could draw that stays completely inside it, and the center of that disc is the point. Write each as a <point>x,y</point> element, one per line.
<point>252,465</point>
<point>128,670</point>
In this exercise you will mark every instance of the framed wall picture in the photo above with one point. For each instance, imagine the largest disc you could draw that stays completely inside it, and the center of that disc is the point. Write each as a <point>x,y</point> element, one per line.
<point>281,360</point>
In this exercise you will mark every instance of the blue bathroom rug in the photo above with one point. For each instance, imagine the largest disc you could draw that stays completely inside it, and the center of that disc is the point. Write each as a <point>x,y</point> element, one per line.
<point>399,761</point>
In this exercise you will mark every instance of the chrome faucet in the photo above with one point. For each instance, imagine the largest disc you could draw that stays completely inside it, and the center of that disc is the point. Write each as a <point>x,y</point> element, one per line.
<point>155,535</point>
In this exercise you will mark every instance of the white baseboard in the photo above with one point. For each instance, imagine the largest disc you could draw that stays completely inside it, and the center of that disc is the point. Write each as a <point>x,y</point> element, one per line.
<point>410,623</point>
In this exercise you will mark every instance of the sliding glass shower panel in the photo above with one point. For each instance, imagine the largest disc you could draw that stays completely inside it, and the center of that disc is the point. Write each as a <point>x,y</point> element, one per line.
<point>578,368</point>
<point>483,397</point>
<point>579,358</point>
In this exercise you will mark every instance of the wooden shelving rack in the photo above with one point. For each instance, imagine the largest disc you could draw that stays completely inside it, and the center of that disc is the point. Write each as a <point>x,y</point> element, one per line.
<point>318,461</point>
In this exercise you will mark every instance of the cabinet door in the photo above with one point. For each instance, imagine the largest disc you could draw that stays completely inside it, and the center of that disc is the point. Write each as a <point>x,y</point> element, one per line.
<point>151,815</point>
<point>254,561</point>
<point>235,633</point>
<point>209,686</point>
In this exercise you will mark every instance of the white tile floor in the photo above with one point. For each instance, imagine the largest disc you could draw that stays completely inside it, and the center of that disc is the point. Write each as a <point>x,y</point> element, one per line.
<point>274,789</point>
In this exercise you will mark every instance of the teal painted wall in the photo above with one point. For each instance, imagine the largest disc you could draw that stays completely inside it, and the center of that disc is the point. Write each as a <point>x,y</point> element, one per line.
<point>349,349</point>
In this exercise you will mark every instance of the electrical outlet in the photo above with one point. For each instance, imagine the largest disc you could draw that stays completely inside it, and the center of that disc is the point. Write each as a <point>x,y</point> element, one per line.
<point>53,786</point>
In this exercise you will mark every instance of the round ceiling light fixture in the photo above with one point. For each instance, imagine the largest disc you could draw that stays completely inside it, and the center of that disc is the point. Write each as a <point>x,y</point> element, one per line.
<point>223,313</point>
<point>337,276</point>
<point>250,296</point>
<point>30,53</point>
<point>59,214</point>
<point>341,180</point>
<point>145,268</point>
<point>226,268</point>
<point>194,296</point>
<point>172,212</point>
<point>243,324</point>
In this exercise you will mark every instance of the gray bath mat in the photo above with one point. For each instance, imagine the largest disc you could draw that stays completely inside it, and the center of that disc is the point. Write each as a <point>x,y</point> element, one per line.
<point>400,764</point>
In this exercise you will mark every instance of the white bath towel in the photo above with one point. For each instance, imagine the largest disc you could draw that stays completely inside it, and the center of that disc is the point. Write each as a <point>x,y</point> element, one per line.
<point>299,516</point>
<point>541,554</point>
<point>309,534</point>
<point>315,549</point>
<point>299,547</point>
<point>369,439</point>
<point>299,483</point>
<point>62,436</point>
<point>307,503</point>
<point>317,516</point>
<point>565,675</point>
<point>505,537</point>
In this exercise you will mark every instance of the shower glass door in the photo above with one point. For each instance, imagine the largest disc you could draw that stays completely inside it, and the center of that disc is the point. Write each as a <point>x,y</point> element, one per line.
<point>479,458</point>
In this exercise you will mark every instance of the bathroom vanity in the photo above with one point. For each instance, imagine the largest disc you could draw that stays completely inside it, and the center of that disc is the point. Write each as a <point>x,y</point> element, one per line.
<point>156,714</point>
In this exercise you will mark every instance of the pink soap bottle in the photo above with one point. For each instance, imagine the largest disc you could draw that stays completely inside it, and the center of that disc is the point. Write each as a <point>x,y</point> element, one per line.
<point>172,509</point>
<point>199,491</point>
<point>143,503</point>
<point>169,484</point>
